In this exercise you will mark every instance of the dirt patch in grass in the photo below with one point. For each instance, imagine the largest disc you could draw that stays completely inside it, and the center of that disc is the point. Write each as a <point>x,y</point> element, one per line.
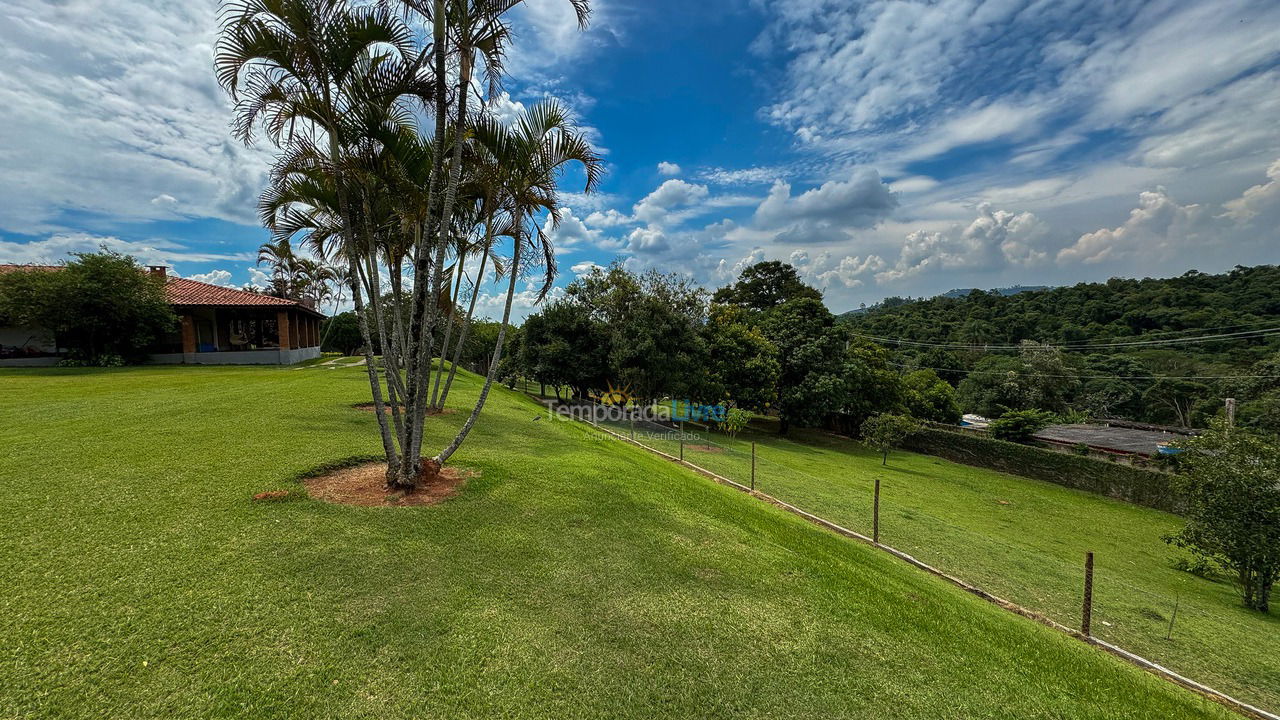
<point>366,485</point>
<point>271,495</point>
<point>705,448</point>
<point>369,407</point>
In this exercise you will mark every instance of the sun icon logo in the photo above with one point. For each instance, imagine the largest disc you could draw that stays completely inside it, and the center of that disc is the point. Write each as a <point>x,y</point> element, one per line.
<point>616,396</point>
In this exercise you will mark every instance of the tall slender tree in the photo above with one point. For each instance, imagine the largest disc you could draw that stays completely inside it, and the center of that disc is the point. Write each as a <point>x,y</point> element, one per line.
<point>339,86</point>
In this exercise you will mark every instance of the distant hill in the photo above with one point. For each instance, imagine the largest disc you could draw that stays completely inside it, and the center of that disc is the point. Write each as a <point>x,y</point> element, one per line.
<point>963,292</point>
<point>957,293</point>
<point>1120,309</point>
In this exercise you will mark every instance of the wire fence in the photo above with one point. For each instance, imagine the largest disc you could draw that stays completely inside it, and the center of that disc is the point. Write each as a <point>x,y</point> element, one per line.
<point>1202,635</point>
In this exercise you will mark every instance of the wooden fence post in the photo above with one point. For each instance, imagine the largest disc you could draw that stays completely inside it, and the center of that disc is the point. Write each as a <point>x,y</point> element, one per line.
<point>753,466</point>
<point>633,425</point>
<point>875,515</point>
<point>1086,619</point>
<point>1177,600</point>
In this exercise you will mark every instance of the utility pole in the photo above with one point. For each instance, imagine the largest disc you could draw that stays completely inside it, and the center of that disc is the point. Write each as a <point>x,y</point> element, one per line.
<point>1231,413</point>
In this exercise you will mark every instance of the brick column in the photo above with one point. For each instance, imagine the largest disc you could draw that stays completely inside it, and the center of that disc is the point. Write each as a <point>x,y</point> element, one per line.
<point>188,334</point>
<point>283,329</point>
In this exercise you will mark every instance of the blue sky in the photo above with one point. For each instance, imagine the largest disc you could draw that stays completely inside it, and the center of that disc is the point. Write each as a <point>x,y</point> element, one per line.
<point>884,148</point>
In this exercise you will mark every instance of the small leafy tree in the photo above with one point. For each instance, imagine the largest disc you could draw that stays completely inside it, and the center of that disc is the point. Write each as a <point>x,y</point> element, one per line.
<point>1231,479</point>
<point>1020,425</point>
<point>735,419</point>
<point>886,431</point>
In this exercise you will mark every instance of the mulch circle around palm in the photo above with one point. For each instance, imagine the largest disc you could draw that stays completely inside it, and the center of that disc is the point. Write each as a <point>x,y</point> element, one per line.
<point>366,486</point>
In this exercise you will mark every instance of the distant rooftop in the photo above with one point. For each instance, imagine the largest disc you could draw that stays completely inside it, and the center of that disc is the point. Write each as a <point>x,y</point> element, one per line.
<point>1107,437</point>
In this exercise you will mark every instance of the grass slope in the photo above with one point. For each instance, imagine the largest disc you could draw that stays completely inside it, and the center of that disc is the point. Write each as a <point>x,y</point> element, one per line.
<point>1024,540</point>
<point>574,578</point>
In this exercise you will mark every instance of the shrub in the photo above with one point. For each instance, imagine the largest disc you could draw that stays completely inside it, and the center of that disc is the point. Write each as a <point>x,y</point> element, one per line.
<point>1020,425</point>
<point>734,421</point>
<point>1232,481</point>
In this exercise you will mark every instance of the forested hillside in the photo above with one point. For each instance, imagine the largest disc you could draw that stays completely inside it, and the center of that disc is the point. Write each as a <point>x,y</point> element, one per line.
<point>1162,350</point>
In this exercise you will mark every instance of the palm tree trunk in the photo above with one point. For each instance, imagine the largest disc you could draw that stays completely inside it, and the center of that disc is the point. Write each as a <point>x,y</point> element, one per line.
<point>388,444</point>
<point>392,349</point>
<point>471,308</point>
<point>458,263</point>
<point>344,212</point>
<point>445,454</point>
<point>391,359</point>
<point>422,270</point>
<point>443,227</point>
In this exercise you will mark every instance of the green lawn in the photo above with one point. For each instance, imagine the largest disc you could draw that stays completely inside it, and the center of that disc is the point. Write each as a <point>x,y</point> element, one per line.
<point>575,577</point>
<point>1024,540</point>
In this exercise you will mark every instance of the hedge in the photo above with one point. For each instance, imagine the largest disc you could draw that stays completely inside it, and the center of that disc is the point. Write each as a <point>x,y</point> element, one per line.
<point>1123,482</point>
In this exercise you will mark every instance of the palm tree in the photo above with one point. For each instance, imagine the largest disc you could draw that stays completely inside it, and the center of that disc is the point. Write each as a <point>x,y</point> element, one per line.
<point>334,85</point>
<point>534,153</point>
<point>278,256</point>
<point>289,66</point>
<point>463,28</point>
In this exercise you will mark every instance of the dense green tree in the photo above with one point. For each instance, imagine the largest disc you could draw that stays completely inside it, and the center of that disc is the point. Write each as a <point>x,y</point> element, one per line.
<point>1258,396</point>
<point>871,384</point>
<point>741,364</point>
<point>341,333</point>
<point>565,345</point>
<point>1109,398</point>
<point>1261,414</point>
<point>994,387</point>
<point>1020,425</point>
<point>811,383</point>
<point>929,397</point>
<point>102,307</point>
<point>1174,399</point>
<point>1050,382</point>
<point>654,321</point>
<point>766,285</point>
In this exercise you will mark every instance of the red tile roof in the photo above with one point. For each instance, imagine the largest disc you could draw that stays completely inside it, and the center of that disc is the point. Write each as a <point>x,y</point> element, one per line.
<point>182,291</point>
<point>185,292</point>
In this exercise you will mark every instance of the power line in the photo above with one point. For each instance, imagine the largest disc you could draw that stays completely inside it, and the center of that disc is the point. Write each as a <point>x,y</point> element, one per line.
<point>907,366</point>
<point>1243,335</point>
<point>1206,329</point>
